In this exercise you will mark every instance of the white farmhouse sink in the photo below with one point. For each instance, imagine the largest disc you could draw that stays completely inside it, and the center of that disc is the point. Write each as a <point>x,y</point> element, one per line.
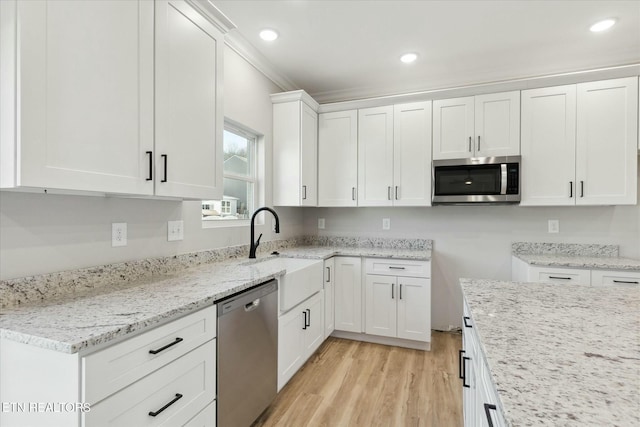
<point>302,279</point>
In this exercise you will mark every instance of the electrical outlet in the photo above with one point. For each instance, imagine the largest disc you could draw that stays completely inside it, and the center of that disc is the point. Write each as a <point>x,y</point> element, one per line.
<point>118,234</point>
<point>386,223</point>
<point>321,223</point>
<point>554,226</point>
<point>175,230</point>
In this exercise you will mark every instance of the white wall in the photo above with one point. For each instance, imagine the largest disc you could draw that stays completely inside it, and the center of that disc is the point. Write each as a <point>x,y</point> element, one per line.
<point>475,241</point>
<point>45,233</point>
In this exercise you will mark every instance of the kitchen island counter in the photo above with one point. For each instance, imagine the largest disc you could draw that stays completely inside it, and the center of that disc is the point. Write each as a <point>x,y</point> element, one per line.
<point>560,355</point>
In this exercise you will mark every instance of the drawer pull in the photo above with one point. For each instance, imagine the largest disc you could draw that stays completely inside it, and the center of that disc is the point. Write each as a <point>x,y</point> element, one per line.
<point>464,372</point>
<point>395,268</point>
<point>487,408</point>
<point>328,274</point>
<point>464,320</point>
<point>304,313</point>
<point>559,277</point>
<point>308,317</point>
<point>159,411</point>
<point>460,374</point>
<point>400,290</point>
<point>629,282</point>
<point>166,346</point>
<point>150,177</point>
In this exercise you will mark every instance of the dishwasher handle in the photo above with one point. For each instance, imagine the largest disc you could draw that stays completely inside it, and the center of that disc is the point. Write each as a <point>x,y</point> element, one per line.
<point>252,305</point>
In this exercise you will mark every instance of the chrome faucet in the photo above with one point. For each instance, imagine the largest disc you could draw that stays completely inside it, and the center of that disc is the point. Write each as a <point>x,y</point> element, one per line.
<point>254,245</point>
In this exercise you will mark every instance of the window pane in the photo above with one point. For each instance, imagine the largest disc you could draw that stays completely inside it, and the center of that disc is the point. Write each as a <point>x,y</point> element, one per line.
<point>238,154</point>
<point>237,202</point>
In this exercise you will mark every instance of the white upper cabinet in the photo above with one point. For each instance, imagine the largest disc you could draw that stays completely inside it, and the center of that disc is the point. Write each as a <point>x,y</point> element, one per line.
<point>548,146</point>
<point>375,156</point>
<point>477,126</point>
<point>607,137</point>
<point>80,82</point>
<point>295,149</point>
<point>81,75</point>
<point>189,120</point>
<point>338,158</point>
<point>579,144</point>
<point>412,154</point>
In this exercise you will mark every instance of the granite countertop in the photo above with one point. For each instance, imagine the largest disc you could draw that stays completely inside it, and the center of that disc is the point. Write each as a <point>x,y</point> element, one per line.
<point>577,261</point>
<point>560,355</point>
<point>128,300</point>
<point>573,255</point>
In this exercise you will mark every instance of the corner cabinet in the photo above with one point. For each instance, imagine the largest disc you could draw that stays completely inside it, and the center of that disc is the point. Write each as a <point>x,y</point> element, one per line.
<point>82,119</point>
<point>338,159</point>
<point>477,126</point>
<point>295,149</point>
<point>586,135</point>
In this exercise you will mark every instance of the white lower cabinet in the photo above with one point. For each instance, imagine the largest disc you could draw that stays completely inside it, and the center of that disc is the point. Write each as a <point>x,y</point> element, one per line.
<point>329,296</point>
<point>205,418</point>
<point>169,371</point>
<point>168,397</point>
<point>524,272</point>
<point>300,333</point>
<point>481,407</point>
<point>348,294</point>
<point>395,305</point>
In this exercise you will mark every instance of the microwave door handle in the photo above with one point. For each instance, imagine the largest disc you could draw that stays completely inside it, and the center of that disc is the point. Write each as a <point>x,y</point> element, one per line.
<point>503,181</point>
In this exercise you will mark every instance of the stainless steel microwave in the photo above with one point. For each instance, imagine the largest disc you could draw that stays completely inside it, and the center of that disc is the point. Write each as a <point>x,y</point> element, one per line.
<point>476,180</point>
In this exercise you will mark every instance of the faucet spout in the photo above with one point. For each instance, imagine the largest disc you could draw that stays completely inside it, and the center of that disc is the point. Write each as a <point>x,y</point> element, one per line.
<point>254,243</point>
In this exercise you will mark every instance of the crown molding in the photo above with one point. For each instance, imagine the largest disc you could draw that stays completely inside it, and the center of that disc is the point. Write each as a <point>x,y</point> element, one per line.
<point>359,99</point>
<point>243,48</point>
<point>212,14</point>
<point>296,95</point>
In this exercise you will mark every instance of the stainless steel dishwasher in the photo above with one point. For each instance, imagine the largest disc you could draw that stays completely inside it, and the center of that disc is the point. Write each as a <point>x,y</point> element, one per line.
<point>247,354</point>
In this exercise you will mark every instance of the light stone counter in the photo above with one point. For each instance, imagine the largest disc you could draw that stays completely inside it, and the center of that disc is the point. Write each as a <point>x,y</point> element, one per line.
<point>560,355</point>
<point>573,255</point>
<point>77,310</point>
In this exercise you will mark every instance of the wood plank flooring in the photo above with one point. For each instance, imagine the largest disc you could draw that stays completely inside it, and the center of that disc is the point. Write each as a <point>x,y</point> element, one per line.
<point>351,383</point>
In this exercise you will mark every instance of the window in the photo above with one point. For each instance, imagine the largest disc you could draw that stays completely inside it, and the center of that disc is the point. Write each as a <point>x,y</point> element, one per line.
<point>239,170</point>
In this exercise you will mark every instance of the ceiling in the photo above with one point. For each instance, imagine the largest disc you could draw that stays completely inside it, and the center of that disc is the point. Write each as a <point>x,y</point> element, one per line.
<point>341,50</point>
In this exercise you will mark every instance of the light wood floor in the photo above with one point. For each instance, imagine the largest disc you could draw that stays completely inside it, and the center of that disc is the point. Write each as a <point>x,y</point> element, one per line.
<point>350,383</point>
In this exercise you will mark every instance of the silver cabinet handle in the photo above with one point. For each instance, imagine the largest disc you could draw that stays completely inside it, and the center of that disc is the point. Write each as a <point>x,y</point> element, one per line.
<point>304,192</point>
<point>328,274</point>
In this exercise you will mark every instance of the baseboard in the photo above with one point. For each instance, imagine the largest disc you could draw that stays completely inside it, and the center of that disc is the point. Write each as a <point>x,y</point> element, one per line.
<point>398,342</point>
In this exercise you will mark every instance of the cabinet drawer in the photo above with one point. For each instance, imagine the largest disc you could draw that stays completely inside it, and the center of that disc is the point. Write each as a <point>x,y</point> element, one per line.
<point>174,393</point>
<point>400,267</point>
<point>206,417</point>
<point>560,275</point>
<point>115,367</point>
<point>616,278</point>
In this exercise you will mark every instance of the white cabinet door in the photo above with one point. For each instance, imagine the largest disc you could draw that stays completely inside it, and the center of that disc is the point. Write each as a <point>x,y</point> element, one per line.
<point>453,128</point>
<point>375,156</point>
<point>338,158</point>
<point>295,144</point>
<point>308,156</point>
<point>348,294</point>
<point>83,79</point>
<point>381,294</point>
<point>329,296</point>
<point>189,122</point>
<point>497,124</point>
<point>414,308</point>
<point>607,137</point>
<point>290,344</point>
<point>314,332</point>
<point>548,146</point>
<point>412,154</point>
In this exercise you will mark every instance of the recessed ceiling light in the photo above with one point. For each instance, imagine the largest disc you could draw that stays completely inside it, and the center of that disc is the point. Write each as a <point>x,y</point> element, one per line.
<point>268,35</point>
<point>408,58</point>
<point>602,25</point>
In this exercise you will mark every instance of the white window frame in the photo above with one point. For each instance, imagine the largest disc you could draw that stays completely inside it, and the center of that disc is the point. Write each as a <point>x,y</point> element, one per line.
<point>257,178</point>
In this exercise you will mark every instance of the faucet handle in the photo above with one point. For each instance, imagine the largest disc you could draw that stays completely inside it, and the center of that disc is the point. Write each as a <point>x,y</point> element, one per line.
<point>258,241</point>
